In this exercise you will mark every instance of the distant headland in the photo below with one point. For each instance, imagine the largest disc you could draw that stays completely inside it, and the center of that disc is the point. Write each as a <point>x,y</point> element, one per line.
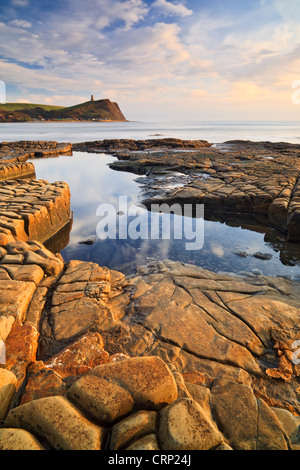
<point>94,110</point>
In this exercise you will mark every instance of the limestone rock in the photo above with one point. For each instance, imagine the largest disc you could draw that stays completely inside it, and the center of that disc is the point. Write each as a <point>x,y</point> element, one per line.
<point>49,266</point>
<point>147,379</point>
<point>270,433</point>
<point>132,428</point>
<point>29,273</point>
<point>33,210</point>
<point>15,297</point>
<point>290,423</point>
<point>83,290</point>
<point>6,323</point>
<point>21,347</point>
<point>223,447</point>
<point>201,395</point>
<point>181,386</point>
<point>42,383</point>
<point>18,439</point>
<point>57,422</point>
<point>255,178</point>
<point>79,357</point>
<point>56,375</point>
<point>178,310</point>
<point>36,306</point>
<point>217,326</point>
<point>8,383</point>
<point>103,401</point>
<point>148,442</point>
<point>184,425</point>
<point>248,423</point>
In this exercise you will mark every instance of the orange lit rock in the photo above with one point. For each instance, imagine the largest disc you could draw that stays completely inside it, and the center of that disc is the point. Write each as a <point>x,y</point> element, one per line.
<point>21,347</point>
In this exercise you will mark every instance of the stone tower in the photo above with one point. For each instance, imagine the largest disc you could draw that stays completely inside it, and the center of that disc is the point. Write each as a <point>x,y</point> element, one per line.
<point>92,98</point>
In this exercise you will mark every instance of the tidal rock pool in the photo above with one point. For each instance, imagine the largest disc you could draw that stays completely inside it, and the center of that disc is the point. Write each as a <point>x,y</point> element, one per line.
<point>225,243</point>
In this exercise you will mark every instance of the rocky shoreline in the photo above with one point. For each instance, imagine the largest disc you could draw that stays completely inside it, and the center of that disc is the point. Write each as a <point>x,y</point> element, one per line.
<point>173,358</point>
<point>261,179</point>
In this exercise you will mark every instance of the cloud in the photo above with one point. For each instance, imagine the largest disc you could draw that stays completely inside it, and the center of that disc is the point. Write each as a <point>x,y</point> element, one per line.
<point>27,78</point>
<point>288,11</point>
<point>151,49</point>
<point>21,24</point>
<point>156,55</point>
<point>19,3</point>
<point>217,250</point>
<point>130,12</point>
<point>169,8</point>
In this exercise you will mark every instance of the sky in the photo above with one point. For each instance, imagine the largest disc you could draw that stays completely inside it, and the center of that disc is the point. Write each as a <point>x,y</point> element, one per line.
<point>160,60</point>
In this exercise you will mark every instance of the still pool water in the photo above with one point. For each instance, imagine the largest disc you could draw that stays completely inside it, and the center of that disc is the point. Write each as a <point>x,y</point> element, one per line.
<point>92,183</point>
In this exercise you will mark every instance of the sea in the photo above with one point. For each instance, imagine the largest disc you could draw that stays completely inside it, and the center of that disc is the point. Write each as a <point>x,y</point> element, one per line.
<point>214,132</point>
<point>229,245</point>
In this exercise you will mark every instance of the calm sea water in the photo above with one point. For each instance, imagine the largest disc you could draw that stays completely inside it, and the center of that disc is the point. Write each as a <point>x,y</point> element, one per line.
<point>93,183</point>
<point>214,132</point>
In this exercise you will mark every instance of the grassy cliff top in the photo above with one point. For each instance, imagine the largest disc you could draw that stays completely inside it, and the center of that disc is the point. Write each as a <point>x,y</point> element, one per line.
<point>18,106</point>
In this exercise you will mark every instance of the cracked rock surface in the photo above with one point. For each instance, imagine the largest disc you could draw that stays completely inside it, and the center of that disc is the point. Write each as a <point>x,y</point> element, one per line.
<point>173,358</point>
<point>175,340</point>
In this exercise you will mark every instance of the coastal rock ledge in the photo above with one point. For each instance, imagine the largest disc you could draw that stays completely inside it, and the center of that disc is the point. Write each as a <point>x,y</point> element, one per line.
<point>176,358</point>
<point>173,358</point>
<point>261,179</point>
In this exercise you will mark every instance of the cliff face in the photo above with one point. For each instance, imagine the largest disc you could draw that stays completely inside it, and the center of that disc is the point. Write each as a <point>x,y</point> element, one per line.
<point>100,110</point>
<point>13,116</point>
<point>103,110</point>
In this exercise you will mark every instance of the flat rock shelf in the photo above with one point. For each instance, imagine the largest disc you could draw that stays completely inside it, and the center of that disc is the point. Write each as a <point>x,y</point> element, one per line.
<point>239,177</point>
<point>175,357</point>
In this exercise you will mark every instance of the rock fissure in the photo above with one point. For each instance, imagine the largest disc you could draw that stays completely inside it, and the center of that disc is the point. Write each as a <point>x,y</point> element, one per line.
<point>248,324</point>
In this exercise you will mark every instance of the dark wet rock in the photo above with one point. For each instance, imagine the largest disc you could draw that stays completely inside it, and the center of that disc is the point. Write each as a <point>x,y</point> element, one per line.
<point>262,256</point>
<point>88,241</point>
<point>138,145</point>
<point>242,254</point>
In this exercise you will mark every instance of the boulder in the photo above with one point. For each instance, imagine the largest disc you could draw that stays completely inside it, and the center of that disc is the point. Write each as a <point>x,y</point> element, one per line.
<point>8,383</point>
<point>148,442</point>
<point>248,423</point>
<point>6,323</point>
<point>42,383</point>
<point>147,379</point>
<point>184,425</point>
<point>290,423</point>
<point>270,434</point>
<point>15,297</point>
<point>102,400</point>
<point>132,428</point>
<point>56,421</point>
<point>21,348</point>
<point>79,357</point>
<point>18,439</point>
